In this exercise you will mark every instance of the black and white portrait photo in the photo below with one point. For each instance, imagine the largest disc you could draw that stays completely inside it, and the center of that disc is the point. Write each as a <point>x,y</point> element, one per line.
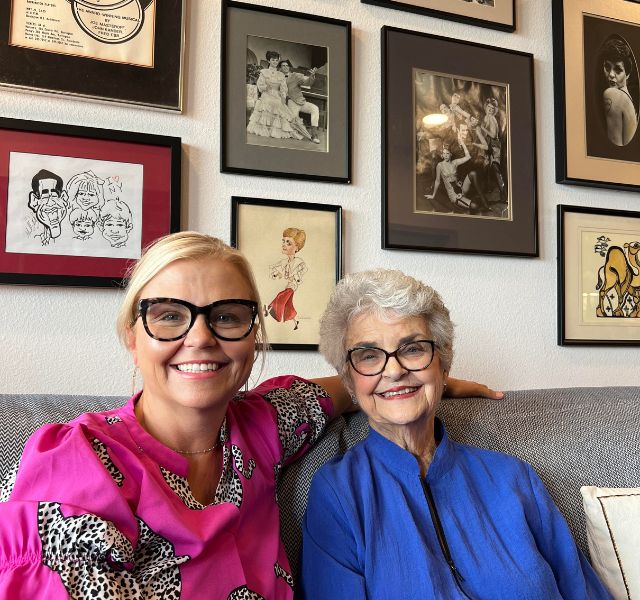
<point>73,207</point>
<point>287,94</point>
<point>612,92</point>
<point>462,146</point>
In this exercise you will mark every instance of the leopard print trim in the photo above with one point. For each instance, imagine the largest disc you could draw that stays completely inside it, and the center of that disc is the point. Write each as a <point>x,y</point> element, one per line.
<point>283,574</point>
<point>300,416</point>
<point>111,420</point>
<point>102,453</point>
<point>95,560</point>
<point>8,482</point>
<point>244,593</point>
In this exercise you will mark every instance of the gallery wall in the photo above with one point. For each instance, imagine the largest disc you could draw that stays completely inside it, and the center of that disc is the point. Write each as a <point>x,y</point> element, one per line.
<point>62,340</point>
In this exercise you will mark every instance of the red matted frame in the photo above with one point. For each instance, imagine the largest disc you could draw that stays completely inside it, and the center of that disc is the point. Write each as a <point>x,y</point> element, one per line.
<point>160,157</point>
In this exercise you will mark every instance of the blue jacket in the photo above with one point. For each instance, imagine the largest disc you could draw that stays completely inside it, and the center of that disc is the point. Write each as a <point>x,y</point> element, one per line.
<point>369,532</point>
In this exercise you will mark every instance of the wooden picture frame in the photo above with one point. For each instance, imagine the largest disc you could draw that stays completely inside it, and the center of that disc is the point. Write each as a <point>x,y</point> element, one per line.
<point>294,123</point>
<point>295,249</point>
<point>78,204</point>
<point>495,14</point>
<point>436,90</point>
<point>598,284</point>
<point>596,122</point>
<point>127,52</point>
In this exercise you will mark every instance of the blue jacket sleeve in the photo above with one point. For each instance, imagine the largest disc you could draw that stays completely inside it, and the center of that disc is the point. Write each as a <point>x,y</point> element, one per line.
<point>574,575</point>
<point>330,566</point>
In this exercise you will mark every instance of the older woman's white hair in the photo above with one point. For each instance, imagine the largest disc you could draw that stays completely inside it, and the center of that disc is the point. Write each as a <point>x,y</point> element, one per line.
<point>387,294</point>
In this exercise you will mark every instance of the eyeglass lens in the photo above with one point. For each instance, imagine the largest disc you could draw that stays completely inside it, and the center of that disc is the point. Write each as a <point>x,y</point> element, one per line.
<point>169,320</point>
<point>413,356</point>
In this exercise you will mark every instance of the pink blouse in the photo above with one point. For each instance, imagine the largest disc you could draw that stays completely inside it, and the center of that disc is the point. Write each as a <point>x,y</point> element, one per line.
<point>99,508</point>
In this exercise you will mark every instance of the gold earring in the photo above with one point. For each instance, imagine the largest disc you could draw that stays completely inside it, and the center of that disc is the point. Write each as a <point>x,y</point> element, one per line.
<point>134,372</point>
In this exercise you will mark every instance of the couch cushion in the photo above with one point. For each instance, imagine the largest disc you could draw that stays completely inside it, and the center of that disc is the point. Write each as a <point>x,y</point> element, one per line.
<point>613,531</point>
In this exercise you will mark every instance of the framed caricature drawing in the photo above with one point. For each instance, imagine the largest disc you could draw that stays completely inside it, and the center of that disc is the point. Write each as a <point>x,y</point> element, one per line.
<point>295,249</point>
<point>127,51</point>
<point>77,205</point>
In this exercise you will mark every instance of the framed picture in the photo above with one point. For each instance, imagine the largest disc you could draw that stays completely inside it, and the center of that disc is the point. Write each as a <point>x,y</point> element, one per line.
<point>598,276</point>
<point>77,205</point>
<point>127,51</point>
<point>496,14</point>
<point>286,94</point>
<point>596,48</point>
<point>459,153</point>
<point>295,249</point>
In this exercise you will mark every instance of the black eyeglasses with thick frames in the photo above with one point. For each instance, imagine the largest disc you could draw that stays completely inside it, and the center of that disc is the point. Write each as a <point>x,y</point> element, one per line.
<point>412,356</point>
<point>170,319</point>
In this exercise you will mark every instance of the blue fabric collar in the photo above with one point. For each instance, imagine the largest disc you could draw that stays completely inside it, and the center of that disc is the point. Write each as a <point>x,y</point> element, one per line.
<point>398,458</point>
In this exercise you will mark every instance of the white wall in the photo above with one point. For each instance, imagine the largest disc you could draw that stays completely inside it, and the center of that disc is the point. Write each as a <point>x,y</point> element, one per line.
<point>61,340</point>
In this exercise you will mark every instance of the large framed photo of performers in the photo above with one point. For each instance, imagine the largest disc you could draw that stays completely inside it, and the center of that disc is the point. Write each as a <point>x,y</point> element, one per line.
<point>496,14</point>
<point>125,51</point>
<point>596,49</point>
<point>285,94</point>
<point>459,153</point>
<point>295,249</point>
<point>79,204</point>
<point>598,280</point>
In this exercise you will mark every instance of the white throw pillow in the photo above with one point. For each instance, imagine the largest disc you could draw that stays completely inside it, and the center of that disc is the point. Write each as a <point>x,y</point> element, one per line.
<point>613,533</point>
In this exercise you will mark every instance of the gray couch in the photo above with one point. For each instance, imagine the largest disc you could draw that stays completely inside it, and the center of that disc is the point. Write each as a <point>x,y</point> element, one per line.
<point>572,436</point>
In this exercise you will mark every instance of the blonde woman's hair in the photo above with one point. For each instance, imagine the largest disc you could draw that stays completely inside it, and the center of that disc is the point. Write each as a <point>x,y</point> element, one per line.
<point>185,245</point>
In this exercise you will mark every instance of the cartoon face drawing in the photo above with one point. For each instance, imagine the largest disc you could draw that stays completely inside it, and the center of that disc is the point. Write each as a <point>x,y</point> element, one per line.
<point>115,223</point>
<point>49,203</point>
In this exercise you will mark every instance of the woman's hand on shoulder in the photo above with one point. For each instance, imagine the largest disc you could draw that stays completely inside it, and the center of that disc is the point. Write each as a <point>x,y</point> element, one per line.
<point>461,388</point>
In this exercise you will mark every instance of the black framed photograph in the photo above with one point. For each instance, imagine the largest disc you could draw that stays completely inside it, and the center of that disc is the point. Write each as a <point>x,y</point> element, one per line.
<point>128,51</point>
<point>78,204</point>
<point>598,276</point>
<point>596,47</point>
<point>496,14</point>
<point>459,152</point>
<point>295,249</point>
<point>285,94</point>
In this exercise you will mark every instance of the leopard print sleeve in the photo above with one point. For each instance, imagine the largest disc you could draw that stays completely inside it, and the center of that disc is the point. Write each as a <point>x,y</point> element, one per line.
<point>302,413</point>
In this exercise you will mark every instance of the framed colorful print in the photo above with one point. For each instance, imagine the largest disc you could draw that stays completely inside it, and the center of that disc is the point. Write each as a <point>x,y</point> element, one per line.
<point>77,205</point>
<point>496,14</point>
<point>596,48</point>
<point>286,94</point>
<point>459,153</point>
<point>127,51</point>
<point>598,276</point>
<point>295,249</point>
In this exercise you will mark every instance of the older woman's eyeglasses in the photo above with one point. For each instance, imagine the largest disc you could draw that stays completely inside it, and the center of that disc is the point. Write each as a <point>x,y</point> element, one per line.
<point>169,319</point>
<point>412,356</point>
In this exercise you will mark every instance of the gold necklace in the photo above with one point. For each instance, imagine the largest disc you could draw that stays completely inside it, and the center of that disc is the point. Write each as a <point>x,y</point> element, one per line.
<point>190,452</point>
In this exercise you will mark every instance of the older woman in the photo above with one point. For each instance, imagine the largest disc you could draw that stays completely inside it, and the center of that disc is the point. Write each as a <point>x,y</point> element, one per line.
<point>408,513</point>
<point>173,494</point>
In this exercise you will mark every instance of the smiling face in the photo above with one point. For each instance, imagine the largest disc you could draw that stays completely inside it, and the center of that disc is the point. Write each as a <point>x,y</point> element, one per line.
<point>116,231</point>
<point>83,228</point>
<point>198,371</point>
<point>396,398</point>
<point>50,206</point>
<point>273,62</point>
<point>289,247</point>
<point>87,197</point>
<point>615,74</point>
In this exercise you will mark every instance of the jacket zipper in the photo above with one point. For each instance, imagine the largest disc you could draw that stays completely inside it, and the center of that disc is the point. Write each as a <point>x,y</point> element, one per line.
<point>442,540</point>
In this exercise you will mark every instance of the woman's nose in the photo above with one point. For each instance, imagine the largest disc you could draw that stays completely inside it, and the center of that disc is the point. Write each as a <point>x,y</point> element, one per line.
<point>200,334</point>
<point>393,369</point>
